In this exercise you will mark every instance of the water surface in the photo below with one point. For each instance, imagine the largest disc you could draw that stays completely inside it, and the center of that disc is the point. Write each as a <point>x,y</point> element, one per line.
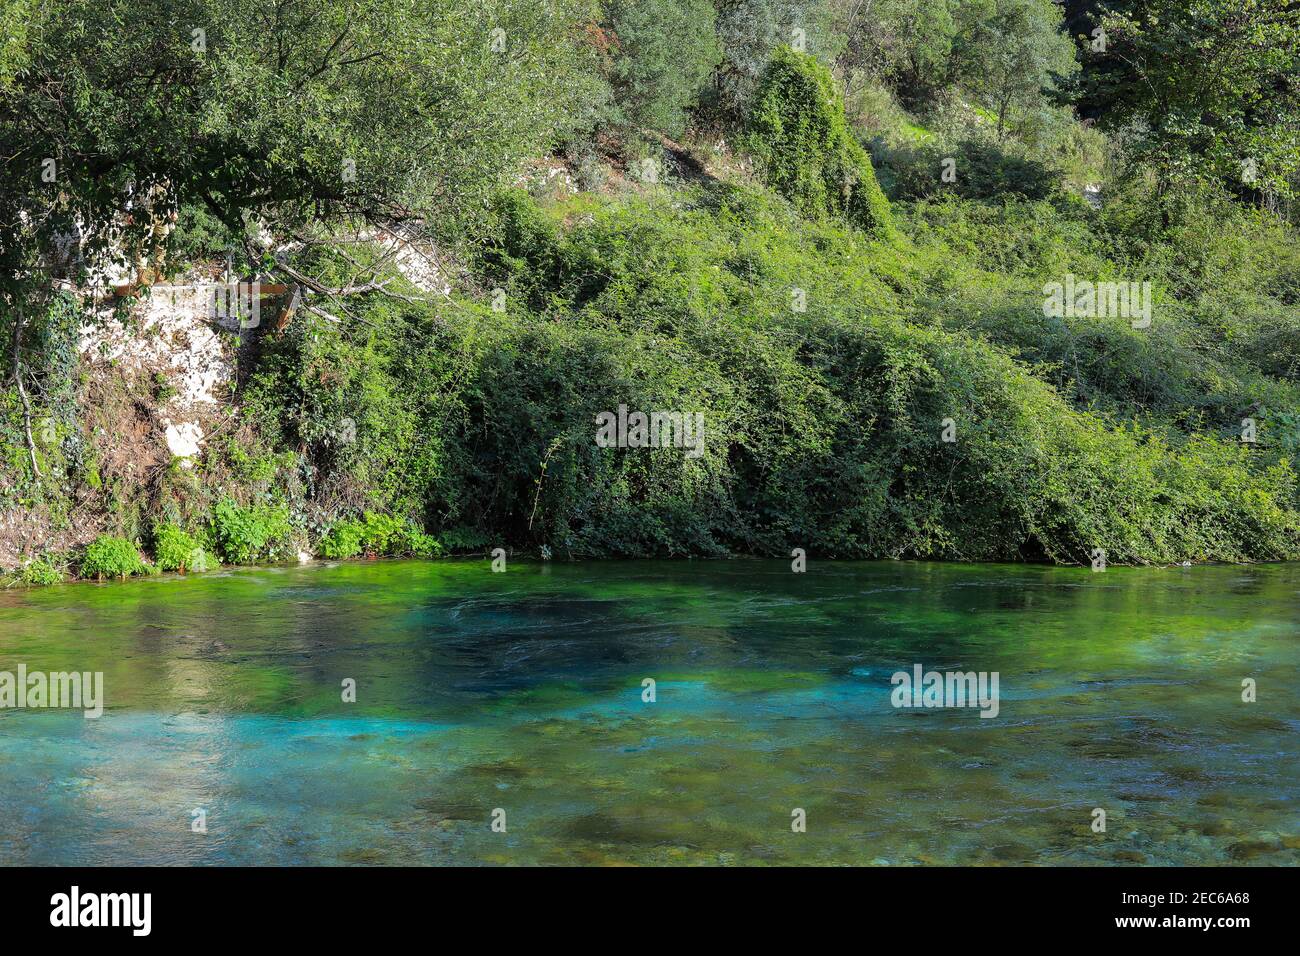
<point>523,691</point>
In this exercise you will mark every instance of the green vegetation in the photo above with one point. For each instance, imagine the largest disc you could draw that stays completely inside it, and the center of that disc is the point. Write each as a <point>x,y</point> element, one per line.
<point>662,52</point>
<point>842,269</point>
<point>247,534</point>
<point>377,534</point>
<point>14,18</point>
<point>989,173</point>
<point>1213,83</point>
<point>824,427</point>
<point>40,571</point>
<point>798,134</point>
<point>109,557</point>
<point>177,550</point>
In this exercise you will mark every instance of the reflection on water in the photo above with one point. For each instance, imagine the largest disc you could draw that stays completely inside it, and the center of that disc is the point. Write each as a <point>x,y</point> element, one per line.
<point>523,691</point>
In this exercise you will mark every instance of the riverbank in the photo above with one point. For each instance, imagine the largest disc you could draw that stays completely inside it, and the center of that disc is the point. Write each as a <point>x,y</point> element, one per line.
<point>702,359</point>
<point>877,422</point>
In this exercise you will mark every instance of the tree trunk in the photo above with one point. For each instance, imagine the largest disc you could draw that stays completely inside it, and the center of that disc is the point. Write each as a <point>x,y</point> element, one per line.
<point>22,390</point>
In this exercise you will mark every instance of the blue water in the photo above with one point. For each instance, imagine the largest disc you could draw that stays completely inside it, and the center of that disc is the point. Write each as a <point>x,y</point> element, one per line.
<point>522,692</point>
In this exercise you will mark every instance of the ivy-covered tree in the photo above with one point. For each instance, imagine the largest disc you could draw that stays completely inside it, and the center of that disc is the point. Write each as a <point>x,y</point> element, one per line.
<point>803,145</point>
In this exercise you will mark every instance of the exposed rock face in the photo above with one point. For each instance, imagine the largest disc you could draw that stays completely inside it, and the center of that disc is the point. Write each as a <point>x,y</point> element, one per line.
<point>174,340</point>
<point>174,336</point>
<point>155,384</point>
<point>184,441</point>
<point>419,263</point>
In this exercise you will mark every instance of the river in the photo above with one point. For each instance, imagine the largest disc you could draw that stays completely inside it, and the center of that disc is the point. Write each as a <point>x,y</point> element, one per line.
<point>504,718</point>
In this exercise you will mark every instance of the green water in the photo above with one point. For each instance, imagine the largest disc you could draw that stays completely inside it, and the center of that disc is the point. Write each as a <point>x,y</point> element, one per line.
<point>523,691</point>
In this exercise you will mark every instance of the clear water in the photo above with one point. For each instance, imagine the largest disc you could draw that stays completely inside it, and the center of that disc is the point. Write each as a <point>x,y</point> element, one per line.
<point>523,691</point>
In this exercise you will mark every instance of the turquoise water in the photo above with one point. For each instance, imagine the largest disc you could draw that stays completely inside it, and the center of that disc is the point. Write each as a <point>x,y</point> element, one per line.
<point>522,692</point>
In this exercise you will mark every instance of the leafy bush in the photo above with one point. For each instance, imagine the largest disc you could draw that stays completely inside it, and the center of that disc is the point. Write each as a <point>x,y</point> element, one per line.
<point>243,535</point>
<point>177,550</point>
<point>43,570</point>
<point>1221,340</point>
<point>110,557</point>
<point>419,544</point>
<point>798,134</point>
<point>822,426</point>
<point>376,533</point>
<point>199,236</point>
<point>343,540</point>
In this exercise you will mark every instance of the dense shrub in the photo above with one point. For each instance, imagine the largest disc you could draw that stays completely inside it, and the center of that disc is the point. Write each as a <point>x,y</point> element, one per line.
<point>377,534</point>
<point>824,422</point>
<point>110,557</point>
<point>1219,341</point>
<point>245,534</point>
<point>40,571</point>
<point>177,550</point>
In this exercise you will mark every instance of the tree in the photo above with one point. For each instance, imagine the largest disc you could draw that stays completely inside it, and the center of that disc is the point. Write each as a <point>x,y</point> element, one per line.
<point>910,43</point>
<point>1205,88</point>
<point>665,49</point>
<point>305,111</point>
<point>1010,57</point>
<point>801,141</point>
<point>750,31</point>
